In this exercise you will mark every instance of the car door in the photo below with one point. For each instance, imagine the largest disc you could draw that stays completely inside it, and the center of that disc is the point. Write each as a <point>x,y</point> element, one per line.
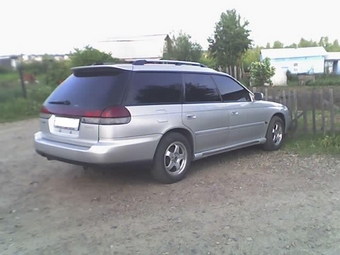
<point>204,113</point>
<point>246,119</point>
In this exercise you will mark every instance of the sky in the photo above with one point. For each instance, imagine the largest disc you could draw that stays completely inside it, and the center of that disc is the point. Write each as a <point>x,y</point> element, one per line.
<point>57,27</point>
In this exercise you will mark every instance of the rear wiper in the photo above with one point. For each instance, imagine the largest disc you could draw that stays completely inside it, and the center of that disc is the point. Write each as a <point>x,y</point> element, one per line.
<point>65,102</point>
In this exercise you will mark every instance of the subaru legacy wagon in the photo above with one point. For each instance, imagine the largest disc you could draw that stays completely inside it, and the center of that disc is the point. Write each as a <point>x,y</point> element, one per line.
<point>162,112</point>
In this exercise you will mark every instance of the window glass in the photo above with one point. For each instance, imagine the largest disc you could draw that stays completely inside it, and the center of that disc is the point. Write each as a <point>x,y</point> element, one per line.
<point>230,90</point>
<point>154,88</point>
<point>200,88</point>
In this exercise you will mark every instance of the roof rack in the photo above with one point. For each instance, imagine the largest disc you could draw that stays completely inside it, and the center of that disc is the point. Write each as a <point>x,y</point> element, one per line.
<point>141,62</point>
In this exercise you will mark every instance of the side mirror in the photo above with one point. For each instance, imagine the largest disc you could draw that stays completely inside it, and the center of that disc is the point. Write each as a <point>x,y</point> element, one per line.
<point>258,96</point>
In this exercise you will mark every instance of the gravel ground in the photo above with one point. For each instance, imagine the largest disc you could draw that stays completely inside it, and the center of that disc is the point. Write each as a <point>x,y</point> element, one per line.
<point>244,202</point>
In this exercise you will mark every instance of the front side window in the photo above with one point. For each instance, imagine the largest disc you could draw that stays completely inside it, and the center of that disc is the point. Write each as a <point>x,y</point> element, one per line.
<point>154,88</point>
<point>200,88</point>
<point>230,90</point>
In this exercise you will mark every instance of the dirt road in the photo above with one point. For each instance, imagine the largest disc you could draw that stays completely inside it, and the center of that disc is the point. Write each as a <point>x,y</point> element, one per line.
<point>245,202</point>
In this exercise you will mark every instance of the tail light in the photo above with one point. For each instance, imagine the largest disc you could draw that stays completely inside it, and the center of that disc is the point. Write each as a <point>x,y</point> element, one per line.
<point>45,113</point>
<point>115,115</point>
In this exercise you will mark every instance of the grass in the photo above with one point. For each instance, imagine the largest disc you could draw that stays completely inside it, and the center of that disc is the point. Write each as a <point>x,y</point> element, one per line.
<point>318,120</point>
<point>13,106</point>
<point>320,81</point>
<point>313,144</point>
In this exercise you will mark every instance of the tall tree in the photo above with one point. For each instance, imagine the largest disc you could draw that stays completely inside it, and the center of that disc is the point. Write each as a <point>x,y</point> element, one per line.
<point>277,45</point>
<point>230,40</point>
<point>182,48</point>
<point>307,43</point>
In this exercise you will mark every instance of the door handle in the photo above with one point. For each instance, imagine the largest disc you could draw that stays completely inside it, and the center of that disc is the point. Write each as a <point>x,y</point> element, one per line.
<point>191,116</point>
<point>234,113</point>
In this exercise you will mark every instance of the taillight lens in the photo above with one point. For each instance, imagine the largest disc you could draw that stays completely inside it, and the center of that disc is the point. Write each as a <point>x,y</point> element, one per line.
<point>45,113</point>
<point>115,115</point>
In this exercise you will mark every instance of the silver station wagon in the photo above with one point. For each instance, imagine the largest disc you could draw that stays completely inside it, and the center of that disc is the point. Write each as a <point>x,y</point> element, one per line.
<point>162,112</point>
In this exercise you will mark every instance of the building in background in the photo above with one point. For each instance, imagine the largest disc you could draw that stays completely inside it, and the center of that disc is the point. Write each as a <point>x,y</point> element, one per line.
<point>132,48</point>
<point>309,60</point>
<point>332,65</point>
<point>8,62</point>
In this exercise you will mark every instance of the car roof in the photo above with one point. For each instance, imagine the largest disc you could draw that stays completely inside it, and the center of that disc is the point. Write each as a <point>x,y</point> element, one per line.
<point>156,65</point>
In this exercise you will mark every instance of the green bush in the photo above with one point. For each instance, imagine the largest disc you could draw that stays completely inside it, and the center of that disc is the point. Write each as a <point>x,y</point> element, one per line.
<point>261,72</point>
<point>57,72</point>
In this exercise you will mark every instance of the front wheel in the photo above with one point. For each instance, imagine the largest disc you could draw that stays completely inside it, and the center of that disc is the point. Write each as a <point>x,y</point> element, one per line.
<point>172,158</point>
<point>274,135</point>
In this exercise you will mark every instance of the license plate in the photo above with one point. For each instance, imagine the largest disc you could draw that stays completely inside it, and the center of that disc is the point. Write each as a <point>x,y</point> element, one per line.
<point>66,123</point>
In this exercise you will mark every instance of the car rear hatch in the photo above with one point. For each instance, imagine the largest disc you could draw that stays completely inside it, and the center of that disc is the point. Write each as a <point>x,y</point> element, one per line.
<point>90,97</point>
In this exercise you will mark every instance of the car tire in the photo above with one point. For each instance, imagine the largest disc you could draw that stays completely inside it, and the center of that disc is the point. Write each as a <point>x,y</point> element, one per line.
<point>274,135</point>
<point>172,158</point>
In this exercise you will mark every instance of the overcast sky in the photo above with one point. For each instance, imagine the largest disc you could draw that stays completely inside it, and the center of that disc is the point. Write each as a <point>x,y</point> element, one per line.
<point>45,26</point>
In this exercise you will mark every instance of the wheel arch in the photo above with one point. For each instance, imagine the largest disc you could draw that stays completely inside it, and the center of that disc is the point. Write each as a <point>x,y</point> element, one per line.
<point>185,132</point>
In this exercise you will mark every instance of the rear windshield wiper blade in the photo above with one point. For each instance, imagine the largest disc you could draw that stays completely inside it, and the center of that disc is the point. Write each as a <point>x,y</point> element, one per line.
<point>65,102</point>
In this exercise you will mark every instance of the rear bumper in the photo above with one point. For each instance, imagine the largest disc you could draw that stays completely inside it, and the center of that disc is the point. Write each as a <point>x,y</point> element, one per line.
<point>116,152</point>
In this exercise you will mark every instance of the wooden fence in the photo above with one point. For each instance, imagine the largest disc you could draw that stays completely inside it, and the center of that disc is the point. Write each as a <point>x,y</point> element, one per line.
<point>313,110</point>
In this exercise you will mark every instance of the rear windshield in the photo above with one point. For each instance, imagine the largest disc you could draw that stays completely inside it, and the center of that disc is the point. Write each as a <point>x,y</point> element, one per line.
<point>91,89</point>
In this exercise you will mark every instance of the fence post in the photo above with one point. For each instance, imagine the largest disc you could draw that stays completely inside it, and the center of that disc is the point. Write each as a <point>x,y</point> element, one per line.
<point>304,109</point>
<point>331,109</point>
<point>322,112</point>
<point>266,94</point>
<point>313,111</point>
<point>284,101</point>
<point>295,102</point>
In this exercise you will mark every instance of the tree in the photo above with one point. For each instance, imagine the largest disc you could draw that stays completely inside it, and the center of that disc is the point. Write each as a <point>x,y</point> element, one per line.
<point>277,45</point>
<point>89,56</point>
<point>182,48</point>
<point>208,60</point>
<point>307,43</point>
<point>293,45</point>
<point>250,56</point>
<point>268,46</point>
<point>261,72</point>
<point>230,40</point>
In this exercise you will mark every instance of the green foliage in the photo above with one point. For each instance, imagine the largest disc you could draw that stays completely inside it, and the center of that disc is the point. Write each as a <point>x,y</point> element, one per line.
<point>36,67</point>
<point>5,70</point>
<point>14,107</point>
<point>314,144</point>
<point>57,71</point>
<point>182,48</point>
<point>230,40</point>
<point>307,43</point>
<point>207,60</point>
<point>250,56</point>
<point>261,72</point>
<point>89,56</point>
<point>277,45</point>
<point>323,42</point>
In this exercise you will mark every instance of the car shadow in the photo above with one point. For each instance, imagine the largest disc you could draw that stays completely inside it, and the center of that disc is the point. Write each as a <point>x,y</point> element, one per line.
<point>140,175</point>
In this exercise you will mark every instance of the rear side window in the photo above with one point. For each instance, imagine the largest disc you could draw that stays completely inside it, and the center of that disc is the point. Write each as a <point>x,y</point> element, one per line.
<point>200,88</point>
<point>91,88</point>
<point>154,88</point>
<point>230,90</point>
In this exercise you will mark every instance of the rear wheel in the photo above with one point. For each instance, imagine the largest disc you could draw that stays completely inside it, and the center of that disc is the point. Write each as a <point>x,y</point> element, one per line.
<point>172,158</point>
<point>274,135</point>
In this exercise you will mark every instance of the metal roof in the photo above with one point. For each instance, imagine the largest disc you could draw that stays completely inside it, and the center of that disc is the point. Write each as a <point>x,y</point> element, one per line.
<point>137,47</point>
<point>333,56</point>
<point>293,52</point>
